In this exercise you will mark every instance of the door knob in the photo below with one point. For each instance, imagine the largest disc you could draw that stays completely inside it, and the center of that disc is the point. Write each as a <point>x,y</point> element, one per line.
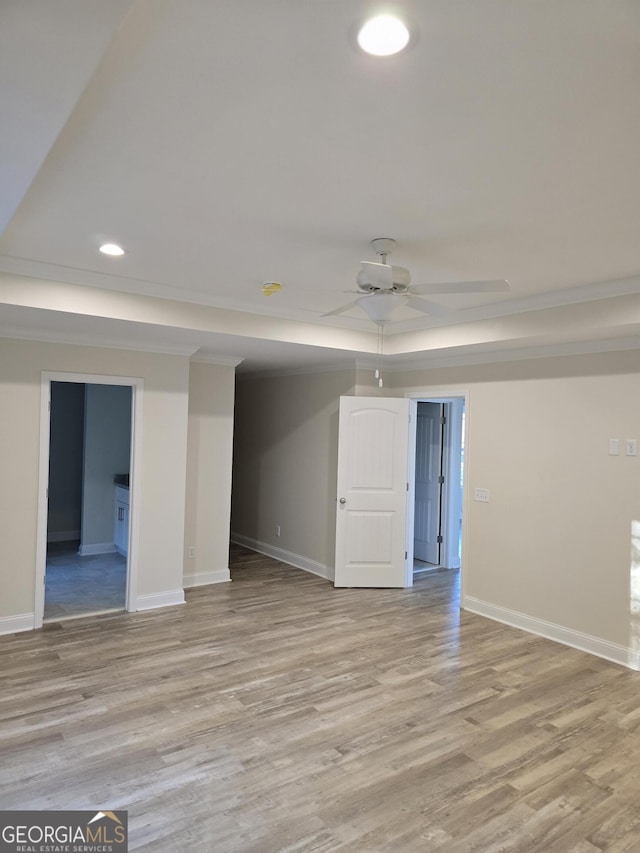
<point>343,500</point>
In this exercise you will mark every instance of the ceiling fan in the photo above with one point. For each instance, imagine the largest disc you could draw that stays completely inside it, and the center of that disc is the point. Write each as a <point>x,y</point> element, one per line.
<point>385,288</point>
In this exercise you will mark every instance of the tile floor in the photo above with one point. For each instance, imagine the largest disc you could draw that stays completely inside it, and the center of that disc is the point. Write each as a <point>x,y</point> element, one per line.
<point>78,585</point>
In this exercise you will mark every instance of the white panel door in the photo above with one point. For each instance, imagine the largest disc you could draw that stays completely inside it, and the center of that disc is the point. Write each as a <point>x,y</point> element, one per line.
<point>426,527</point>
<point>372,492</point>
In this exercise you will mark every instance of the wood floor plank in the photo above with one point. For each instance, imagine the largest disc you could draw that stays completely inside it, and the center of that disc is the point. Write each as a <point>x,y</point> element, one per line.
<point>276,714</point>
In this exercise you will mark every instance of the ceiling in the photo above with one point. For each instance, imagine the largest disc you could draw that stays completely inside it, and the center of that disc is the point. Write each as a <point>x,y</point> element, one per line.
<point>229,143</point>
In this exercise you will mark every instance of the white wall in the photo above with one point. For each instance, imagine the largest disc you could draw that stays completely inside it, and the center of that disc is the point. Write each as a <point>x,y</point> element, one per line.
<point>161,492</point>
<point>209,463</point>
<point>285,464</point>
<point>107,445</point>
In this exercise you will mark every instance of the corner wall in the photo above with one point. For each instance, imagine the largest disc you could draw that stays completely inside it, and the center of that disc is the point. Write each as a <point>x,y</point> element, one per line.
<point>209,464</point>
<point>285,465</point>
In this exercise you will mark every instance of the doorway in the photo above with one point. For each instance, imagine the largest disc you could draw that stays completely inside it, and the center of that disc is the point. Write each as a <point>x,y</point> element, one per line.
<point>86,547</point>
<point>429,479</point>
<point>436,490</point>
<point>89,457</point>
<point>376,487</point>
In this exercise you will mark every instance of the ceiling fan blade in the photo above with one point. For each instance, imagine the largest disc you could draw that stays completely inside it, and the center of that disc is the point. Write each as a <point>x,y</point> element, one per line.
<point>378,275</point>
<point>427,306</point>
<point>493,286</point>
<point>340,310</point>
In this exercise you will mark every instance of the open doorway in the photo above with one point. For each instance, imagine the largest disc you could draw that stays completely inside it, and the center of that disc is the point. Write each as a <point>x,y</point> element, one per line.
<point>437,486</point>
<point>87,521</point>
<point>376,486</point>
<point>86,546</point>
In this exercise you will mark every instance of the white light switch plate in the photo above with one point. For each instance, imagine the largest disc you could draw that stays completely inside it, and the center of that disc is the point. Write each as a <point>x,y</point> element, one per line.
<point>632,447</point>
<point>481,495</point>
<point>614,447</point>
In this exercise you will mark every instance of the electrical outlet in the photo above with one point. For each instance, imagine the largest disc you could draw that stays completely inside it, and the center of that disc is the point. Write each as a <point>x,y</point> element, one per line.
<point>481,495</point>
<point>192,551</point>
<point>277,530</point>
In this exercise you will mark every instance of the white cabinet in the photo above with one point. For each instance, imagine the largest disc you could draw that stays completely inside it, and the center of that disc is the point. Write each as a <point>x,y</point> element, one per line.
<point>121,522</point>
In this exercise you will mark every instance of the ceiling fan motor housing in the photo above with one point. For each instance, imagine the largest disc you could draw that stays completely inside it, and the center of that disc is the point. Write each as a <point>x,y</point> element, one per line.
<point>400,277</point>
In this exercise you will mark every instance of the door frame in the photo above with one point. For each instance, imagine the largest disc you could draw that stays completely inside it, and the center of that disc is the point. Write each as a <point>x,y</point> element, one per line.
<point>447,396</point>
<point>135,469</point>
<point>440,519</point>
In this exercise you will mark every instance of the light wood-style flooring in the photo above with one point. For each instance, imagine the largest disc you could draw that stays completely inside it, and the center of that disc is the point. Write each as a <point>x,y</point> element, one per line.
<point>276,714</point>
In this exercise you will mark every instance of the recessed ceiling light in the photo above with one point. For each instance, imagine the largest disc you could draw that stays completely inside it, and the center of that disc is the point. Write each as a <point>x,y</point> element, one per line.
<point>111,249</point>
<point>383,35</point>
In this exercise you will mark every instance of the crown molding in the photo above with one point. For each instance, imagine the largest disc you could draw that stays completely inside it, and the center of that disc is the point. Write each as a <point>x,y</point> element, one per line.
<point>429,362</point>
<point>298,371</point>
<point>221,360</point>
<point>62,274</point>
<point>589,292</point>
<point>549,299</point>
<point>96,341</point>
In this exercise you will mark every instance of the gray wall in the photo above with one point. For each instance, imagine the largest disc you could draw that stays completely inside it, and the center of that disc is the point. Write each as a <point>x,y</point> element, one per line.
<point>65,461</point>
<point>209,462</point>
<point>553,546</point>
<point>107,444</point>
<point>285,463</point>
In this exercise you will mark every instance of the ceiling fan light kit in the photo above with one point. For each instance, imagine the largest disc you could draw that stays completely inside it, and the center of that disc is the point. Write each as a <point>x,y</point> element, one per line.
<point>379,306</point>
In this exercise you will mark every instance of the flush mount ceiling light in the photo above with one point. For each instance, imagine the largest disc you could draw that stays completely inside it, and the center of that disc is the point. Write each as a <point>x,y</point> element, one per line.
<point>111,249</point>
<point>383,35</point>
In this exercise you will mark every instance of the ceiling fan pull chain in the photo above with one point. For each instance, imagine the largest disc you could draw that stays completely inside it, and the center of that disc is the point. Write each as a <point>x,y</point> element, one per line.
<point>378,372</point>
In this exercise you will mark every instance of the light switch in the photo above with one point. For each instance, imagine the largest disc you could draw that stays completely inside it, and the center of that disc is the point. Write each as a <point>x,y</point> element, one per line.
<point>481,495</point>
<point>632,447</point>
<point>614,447</point>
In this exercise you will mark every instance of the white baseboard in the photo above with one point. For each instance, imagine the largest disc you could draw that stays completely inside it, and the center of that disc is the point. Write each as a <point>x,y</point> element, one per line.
<point>191,579</point>
<point>63,535</point>
<point>98,548</point>
<point>160,599</point>
<point>567,636</point>
<point>288,557</point>
<point>19,622</point>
